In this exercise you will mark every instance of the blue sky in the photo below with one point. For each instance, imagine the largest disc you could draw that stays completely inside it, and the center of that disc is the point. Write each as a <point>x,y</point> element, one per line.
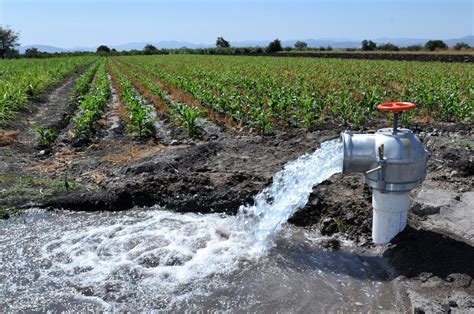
<point>70,23</point>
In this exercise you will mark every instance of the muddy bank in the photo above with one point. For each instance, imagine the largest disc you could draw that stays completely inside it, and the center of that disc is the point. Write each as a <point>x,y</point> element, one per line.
<point>216,176</point>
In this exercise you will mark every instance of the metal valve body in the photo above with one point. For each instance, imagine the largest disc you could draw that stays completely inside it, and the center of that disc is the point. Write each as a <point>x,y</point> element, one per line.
<point>390,162</point>
<point>393,162</point>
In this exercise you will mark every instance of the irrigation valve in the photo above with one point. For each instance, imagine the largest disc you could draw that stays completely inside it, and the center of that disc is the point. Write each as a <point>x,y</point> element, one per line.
<point>393,162</point>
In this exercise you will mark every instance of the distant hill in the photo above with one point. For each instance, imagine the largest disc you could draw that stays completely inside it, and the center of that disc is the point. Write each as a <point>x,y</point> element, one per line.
<point>43,48</point>
<point>403,42</point>
<point>335,43</point>
<point>347,43</point>
<point>467,39</point>
<point>314,43</point>
<point>171,44</point>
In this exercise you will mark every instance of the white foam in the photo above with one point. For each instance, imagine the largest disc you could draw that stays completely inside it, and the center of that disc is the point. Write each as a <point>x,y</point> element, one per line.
<point>289,192</point>
<point>165,257</point>
<point>158,251</point>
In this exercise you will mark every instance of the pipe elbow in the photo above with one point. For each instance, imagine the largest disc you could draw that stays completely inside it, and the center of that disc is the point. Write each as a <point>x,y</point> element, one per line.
<point>359,152</point>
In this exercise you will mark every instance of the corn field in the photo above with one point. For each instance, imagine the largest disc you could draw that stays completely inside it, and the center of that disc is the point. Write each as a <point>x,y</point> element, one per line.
<point>23,80</point>
<point>260,93</point>
<point>263,93</point>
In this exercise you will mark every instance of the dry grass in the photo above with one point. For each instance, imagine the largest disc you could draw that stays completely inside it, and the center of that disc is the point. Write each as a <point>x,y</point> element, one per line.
<point>7,137</point>
<point>424,117</point>
<point>133,152</point>
<point>59,161</point>
<point>395,86</point>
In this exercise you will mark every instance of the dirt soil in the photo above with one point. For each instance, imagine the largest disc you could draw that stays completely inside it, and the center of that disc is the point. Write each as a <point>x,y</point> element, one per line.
<point>433,257</point>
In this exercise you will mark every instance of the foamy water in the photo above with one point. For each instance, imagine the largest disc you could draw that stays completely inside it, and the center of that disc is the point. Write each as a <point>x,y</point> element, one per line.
<point>289,192</point>
<point>156,258</point>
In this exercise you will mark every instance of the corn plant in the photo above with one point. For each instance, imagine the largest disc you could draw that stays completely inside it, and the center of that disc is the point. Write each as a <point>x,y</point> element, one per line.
<point>46,136</point>
<point>187,116</point>
<point>84,82</point>
<point>140,113</point>
<point>92,105</point>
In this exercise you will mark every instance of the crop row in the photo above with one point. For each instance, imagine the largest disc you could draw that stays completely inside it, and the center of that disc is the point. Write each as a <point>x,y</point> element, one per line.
<point>23,80</point>
<point>264,92</point>
<point>183,114</point>
<point>140,113</point>
<point>84,81</point>
<point>244,109</point>
<point>46,136</point>
<point>93,104</point>
<point>81,88</point>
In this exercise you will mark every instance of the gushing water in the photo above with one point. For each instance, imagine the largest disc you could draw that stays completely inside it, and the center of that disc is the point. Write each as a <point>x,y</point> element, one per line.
<point>151,258</point>
<point>289,192</point>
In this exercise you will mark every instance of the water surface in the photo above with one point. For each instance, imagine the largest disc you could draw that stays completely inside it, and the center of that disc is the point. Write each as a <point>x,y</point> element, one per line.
<point>153,259</point>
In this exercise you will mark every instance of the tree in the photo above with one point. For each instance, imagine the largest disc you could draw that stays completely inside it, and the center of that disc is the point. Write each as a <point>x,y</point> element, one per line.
<point>414,48</point>
<point>301,45</point>
<point>32,52</point>
<point>150,49</point>
<point>274,46</point>
<point>368,45</point>
<point>461,45</point>
<point>222,43</point>
<point>12,53</point>
<point>433,45</point>
<point>388,47</point>
<point>8,41</point>
<point>103,48</point>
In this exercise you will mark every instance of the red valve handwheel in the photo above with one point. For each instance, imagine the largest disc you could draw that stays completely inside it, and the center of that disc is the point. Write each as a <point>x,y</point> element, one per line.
<point>396,106</point>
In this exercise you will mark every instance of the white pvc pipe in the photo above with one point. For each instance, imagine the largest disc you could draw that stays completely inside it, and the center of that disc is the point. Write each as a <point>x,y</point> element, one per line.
<point>389,215</point>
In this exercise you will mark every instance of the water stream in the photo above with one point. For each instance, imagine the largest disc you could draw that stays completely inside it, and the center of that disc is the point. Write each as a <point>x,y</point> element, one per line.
<point>149,258</point>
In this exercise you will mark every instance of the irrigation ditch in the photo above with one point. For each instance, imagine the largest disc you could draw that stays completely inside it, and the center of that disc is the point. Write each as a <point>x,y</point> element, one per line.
<point>221,170</point>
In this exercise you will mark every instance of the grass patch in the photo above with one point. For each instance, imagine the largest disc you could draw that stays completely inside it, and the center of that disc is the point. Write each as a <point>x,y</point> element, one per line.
<point>34,188</point>
<point>7,212</point>
<point>341,224</point>
<point>464,144</point>
<point>4,213</point>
